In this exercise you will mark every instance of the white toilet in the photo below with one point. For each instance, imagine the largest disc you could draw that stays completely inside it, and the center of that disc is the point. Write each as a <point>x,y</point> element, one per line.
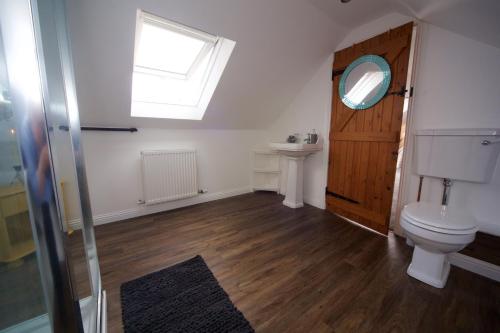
<point>436,229</point>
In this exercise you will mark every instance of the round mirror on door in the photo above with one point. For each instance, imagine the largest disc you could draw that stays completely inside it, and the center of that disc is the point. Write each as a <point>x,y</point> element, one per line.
<point>365,82</point>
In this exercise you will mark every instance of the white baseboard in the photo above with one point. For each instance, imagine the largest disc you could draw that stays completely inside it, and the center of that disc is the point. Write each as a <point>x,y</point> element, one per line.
<point>474,265</point>
<point>142,210</point>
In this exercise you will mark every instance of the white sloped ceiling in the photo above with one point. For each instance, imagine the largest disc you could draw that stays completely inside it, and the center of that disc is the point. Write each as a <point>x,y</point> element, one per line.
<point>280,44</point>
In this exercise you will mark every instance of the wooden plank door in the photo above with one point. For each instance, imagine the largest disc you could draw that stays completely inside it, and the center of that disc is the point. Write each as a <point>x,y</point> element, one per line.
<point>364,143</point>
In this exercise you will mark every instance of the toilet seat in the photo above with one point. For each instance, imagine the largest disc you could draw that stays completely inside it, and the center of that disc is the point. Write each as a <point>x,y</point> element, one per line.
<point>435,231</point>
<point>437,218</point>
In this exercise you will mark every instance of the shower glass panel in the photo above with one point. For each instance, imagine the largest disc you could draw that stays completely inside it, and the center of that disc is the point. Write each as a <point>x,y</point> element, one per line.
<point>67,155</point>
<point>21,292</point>
<point>63,160</point>
<point>50,280</point>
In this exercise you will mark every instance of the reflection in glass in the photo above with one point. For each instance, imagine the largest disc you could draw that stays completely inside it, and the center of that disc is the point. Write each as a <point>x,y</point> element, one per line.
<point>364,82</point>
<point>67,160</point>
<point>43,190</point>
<point>21,292</point>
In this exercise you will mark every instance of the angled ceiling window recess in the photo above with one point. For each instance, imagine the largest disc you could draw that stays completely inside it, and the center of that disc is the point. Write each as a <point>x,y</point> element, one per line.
<point>176,68</point>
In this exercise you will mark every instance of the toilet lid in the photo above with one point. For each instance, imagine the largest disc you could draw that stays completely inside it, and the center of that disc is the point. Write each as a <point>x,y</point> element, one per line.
<point>440,218</point>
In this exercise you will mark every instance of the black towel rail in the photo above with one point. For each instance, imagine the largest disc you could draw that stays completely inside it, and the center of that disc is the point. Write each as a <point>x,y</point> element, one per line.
<point>110,129</point>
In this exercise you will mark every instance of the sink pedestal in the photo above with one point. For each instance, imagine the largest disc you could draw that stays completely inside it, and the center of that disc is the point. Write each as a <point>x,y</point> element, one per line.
<point>295,182</point>
<point>295,153</point>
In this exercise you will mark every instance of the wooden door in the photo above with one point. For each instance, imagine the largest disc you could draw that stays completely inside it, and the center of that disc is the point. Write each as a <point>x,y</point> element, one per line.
<point>364,143</point>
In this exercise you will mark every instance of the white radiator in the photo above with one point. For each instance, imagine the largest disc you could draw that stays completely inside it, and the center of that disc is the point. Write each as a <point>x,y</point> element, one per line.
<point>168,175</point>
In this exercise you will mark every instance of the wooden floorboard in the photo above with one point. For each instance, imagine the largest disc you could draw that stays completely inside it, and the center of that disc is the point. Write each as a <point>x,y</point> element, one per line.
<point>302,270</point>
<point>484,247</point>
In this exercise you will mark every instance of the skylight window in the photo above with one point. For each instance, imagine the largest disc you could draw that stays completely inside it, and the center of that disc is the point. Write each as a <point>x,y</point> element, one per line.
<point>176,68</point>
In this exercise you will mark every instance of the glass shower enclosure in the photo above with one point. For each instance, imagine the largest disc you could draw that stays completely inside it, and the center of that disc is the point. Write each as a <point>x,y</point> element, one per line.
<point>49,269</point>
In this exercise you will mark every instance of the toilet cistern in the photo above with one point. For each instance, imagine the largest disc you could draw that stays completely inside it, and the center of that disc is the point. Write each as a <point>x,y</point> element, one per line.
<point>295,153</point>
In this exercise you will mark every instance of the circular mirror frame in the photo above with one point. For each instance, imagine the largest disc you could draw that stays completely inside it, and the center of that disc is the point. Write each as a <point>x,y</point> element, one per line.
<point>384,67</point>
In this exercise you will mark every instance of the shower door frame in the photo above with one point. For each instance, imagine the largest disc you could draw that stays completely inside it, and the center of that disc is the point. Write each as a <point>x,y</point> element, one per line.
<point>58,21</point>
<point>62,307</point>
<point>21,22</point>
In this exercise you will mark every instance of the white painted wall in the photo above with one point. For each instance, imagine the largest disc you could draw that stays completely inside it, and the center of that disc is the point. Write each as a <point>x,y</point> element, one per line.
<point>464,71</point>
<point>457,86</point>
<point>113,167</point>
<point>276,43</point>
<point>311,108</point>
<point>372,29</point>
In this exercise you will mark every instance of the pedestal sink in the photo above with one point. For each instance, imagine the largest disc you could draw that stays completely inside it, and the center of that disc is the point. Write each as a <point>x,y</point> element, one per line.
<point>295,153</point>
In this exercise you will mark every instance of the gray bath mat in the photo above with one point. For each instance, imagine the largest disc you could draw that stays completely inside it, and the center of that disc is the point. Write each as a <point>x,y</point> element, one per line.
<point>183,298</point>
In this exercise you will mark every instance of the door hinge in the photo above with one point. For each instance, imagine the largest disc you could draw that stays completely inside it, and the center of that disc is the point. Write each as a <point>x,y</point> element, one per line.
<point>338,196</point>
<point>402,92</point>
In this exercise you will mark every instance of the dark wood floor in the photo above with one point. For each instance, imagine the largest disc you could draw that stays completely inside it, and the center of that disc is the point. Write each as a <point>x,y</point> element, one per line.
<point>484,247</point>
<point>302,270</point>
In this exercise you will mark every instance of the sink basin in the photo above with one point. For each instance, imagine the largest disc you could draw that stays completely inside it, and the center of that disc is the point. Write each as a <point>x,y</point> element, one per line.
<point>296,149</point>
<point>295,153</point>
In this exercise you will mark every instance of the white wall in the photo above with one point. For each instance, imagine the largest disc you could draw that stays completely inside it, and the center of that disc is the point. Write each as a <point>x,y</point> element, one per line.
<point>276,43</point>
<point>311,108</point>
<point>113,166</point>
<point>457,86</point>
<point>267,68</point>
<point>372,29</point>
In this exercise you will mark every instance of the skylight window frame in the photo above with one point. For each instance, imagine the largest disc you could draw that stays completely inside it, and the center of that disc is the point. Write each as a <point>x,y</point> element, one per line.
<point>206,75</point>
<point>148,18</point>
<point>209,65</point>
